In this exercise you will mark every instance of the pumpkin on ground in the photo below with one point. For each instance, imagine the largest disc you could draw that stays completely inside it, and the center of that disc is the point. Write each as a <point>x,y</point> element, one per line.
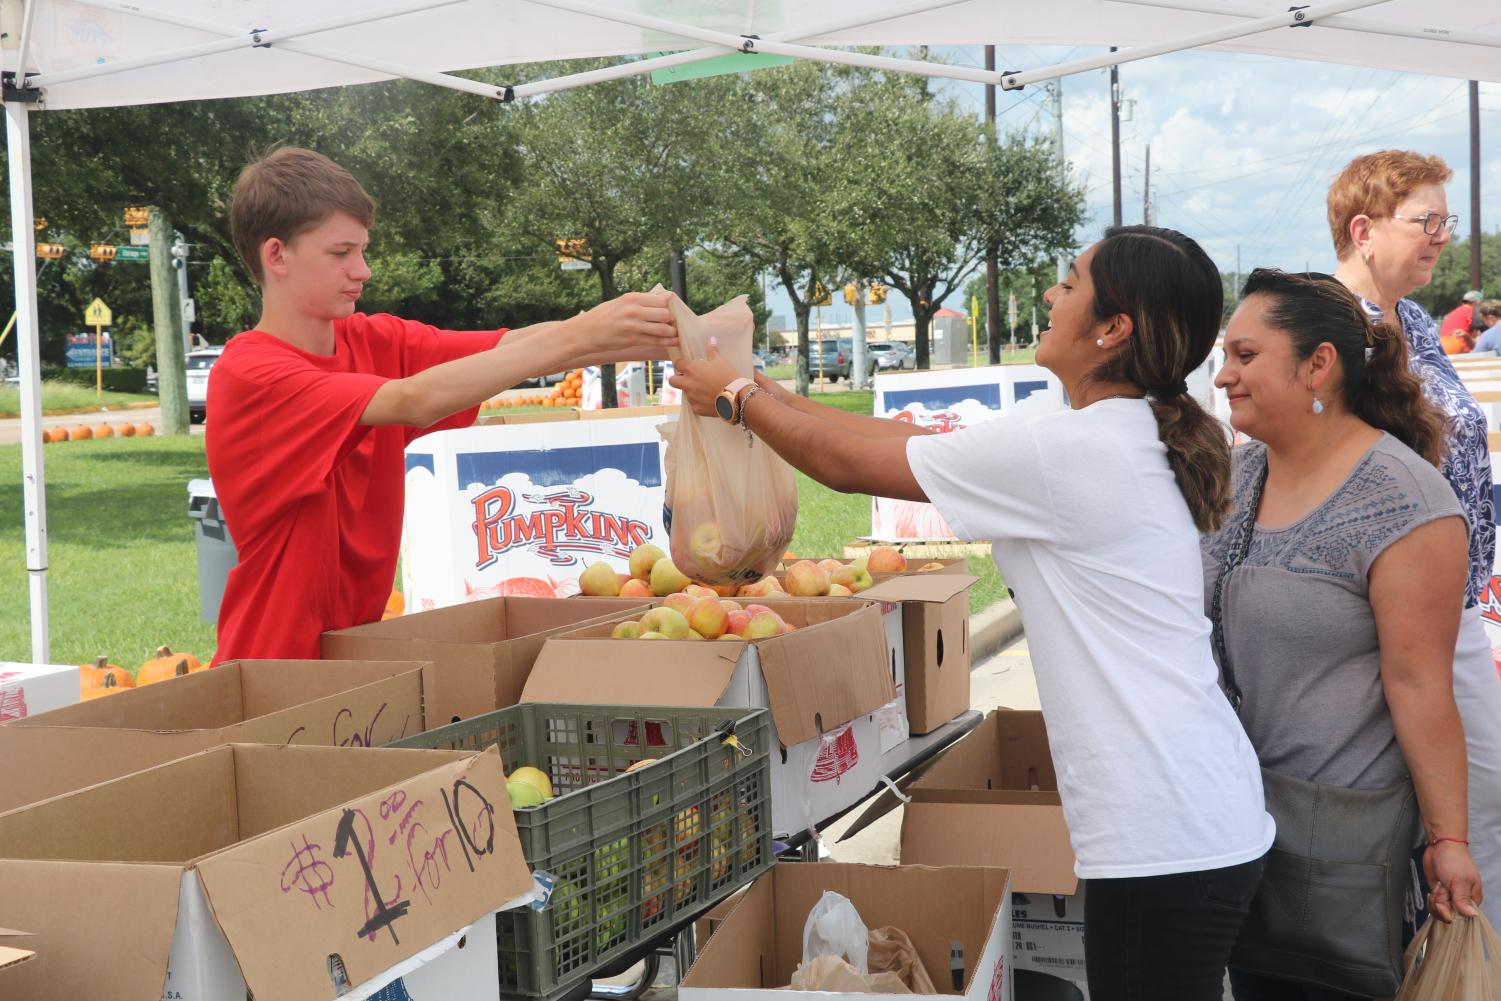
<point>395,605</point>
<point>101,672</point>
<point>167,665</point>
<point>103,431</point>
<point>81,432</point>
<point>127,431</point>
<point>145,430</point>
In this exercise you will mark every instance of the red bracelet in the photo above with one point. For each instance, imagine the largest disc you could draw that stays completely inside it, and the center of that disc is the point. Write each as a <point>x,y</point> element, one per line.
<point>1457,841</point>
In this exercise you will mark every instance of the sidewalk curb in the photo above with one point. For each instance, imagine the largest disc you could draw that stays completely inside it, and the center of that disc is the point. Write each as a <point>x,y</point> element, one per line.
<point>993,628</point>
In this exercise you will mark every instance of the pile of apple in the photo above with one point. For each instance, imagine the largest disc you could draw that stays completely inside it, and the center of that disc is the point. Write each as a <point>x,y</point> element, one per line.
<point>700,614</point>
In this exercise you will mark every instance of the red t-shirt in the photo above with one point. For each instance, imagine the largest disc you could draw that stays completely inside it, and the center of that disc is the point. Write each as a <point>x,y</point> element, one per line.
<point>312,498</point>
<point>1457,321</point>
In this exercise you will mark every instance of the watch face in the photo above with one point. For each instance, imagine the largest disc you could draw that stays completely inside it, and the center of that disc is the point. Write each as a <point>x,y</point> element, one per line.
<point>724,408</point>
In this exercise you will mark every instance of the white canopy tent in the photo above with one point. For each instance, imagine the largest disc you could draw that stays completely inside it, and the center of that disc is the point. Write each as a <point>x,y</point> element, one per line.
<point>64,54</point>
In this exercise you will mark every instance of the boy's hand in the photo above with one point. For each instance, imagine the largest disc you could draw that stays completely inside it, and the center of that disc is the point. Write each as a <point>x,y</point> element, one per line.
<point>635,327</point>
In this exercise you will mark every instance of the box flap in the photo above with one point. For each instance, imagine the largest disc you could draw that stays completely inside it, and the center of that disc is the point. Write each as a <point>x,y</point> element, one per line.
<point>368,715</point>
<point>11,952</point>
<point>626,672</point>
<point>203,700</point>
<point>886,800</point>
<point>373,881</point>
<point>271,686</point>
<point>935,587</point>
<point>820,678</point>
<point>1030,840</point>
<point>99,930</point>
<point>46,761</point>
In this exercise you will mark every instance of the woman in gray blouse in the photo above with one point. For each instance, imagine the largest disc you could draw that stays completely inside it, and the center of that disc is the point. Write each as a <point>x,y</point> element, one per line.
<point>1341,621</point>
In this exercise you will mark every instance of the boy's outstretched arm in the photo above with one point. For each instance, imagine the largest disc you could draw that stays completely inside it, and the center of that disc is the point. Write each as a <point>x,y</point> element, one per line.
<point>636,326</point>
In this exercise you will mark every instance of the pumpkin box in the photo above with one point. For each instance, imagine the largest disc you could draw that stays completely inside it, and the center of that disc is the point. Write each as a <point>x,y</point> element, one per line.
<point>481,653</point>
<point>269,701</point>
<point>297,873</point>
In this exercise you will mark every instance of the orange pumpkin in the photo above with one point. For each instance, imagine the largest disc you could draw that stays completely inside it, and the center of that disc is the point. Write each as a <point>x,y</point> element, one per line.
<point>127,431</point>
<point>101,672</point>
<point>81,432</point>
<point>103,431</point>
<point>395,605</point>
<point>145,430</point>
<point>109,687</point>
<point>166,665</point>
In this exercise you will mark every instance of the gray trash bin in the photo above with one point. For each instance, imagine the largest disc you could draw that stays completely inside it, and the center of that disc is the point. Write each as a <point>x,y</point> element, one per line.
<point>216,550</point>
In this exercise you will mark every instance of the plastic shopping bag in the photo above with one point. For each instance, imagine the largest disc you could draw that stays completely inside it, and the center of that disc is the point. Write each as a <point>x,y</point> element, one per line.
<point>834,928</point>
<point>731,501</point>
<point>1453,962</point>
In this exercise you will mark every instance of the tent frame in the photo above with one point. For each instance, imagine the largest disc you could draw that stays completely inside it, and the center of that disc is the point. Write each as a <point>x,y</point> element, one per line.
<point>24,91</point>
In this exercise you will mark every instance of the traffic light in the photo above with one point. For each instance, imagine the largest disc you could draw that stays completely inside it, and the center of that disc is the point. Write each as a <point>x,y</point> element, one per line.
<point>576,250</point>
<point>40,223</point>
<point>136,218</point>
<point>102,251</point>
<point>877,294</point>
<point>851,294</point>
<point>821,296</point>
<point>51,251</point>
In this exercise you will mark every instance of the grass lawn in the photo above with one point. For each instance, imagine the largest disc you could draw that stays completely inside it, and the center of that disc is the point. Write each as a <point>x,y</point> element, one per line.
<point>123,563</point>
<point>66,396</point>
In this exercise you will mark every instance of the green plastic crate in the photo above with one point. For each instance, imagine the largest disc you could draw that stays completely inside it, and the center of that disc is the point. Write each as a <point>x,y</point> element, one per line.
<point>634,854</point>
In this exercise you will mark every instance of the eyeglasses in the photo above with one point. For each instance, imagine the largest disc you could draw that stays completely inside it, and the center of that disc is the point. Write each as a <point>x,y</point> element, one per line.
<point>1431,221</point>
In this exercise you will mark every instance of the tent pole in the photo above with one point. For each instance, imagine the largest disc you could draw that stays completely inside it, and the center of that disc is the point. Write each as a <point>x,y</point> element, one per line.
<point>1343,21</point>
<point>235,38</point>
<point>28,351</point>
<point>1290,19</point>
<point>25,47</point>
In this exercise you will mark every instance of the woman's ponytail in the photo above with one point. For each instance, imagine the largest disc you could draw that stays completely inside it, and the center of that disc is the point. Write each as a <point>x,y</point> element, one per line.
<point>1390,396</point>
<point>1172,292</point>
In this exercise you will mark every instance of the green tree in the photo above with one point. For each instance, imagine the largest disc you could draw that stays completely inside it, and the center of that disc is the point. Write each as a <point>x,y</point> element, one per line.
<point>1451,277</point>
<point>925,189</point>
<point>612,165</point>
<point>1028,284</point>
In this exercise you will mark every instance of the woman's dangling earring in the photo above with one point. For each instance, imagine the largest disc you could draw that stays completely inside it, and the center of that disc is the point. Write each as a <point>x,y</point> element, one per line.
<point>1318,407</point>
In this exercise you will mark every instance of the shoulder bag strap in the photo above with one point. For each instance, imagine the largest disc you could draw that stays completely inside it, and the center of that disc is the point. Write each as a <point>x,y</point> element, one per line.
<point>1234,558</point>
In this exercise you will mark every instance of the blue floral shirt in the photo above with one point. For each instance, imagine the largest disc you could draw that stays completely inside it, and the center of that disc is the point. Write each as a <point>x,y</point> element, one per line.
<point>1467,466</point>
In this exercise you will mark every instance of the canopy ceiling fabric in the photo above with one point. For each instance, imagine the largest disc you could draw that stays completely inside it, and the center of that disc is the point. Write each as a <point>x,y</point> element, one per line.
<point>466,34</point>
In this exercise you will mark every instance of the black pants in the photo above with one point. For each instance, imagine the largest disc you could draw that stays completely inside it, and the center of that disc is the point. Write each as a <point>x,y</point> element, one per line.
<point>1250,987</point>
<point>1165,938</point>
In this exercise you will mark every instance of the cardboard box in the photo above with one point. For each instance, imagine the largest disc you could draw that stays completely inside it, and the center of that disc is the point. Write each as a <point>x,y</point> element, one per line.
<point>934,611</point>
<point>992,799</point>
<point>761,942</point>
<point>11,953</point>
<point>252,866</point>
<point>333,703</point>
<point>480,653</point>
<point>28,689</point>
<point>521,508</point>
<point>823,683</point>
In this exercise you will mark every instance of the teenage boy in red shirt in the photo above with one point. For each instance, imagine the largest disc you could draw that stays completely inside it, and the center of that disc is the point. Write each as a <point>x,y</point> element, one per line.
<point>311,412</point>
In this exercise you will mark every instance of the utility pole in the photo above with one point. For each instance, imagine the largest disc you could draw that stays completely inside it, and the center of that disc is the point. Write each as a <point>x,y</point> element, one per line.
<point>166,309</point>
<point>1115,136</point>
<point>1146,190</point>
<point>677,268</point>
<point>858,350</point>
<point>184,296</point>
<point>992,265</point>
<point>1475,184</point>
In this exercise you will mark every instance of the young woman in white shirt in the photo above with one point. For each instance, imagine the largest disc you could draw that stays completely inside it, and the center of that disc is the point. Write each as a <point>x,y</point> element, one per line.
<point>1094,515</point>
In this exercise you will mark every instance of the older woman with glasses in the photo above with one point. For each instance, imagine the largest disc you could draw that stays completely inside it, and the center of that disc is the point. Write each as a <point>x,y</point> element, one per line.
<point>1390,221</point>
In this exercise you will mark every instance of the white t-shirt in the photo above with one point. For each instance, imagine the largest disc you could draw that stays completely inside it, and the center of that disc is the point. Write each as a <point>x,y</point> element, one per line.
<point>1092,534</point>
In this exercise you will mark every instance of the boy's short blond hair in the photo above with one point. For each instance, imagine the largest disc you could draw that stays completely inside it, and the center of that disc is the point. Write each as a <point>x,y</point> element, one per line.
<point>287,192</point>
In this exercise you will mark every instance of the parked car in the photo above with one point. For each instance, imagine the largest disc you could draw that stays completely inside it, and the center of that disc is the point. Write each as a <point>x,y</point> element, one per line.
<point>198,364</point>
<point>891,355</point>
<point>837,359</point>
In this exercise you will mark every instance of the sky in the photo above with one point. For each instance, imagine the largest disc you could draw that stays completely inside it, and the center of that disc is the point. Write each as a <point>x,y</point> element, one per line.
<point>1243,147</point>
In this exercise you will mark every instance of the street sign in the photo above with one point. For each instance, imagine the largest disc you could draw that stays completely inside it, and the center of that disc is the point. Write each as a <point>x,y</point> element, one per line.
<point>140,238</point>
<point>569,265</point>
<point>189,311</point>
<point>734,62</point>
<point>132,253</point>
<point>97,314</point>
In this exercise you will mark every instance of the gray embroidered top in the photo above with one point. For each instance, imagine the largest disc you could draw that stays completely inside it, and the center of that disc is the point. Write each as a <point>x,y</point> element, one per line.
<point>1299,628</point>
